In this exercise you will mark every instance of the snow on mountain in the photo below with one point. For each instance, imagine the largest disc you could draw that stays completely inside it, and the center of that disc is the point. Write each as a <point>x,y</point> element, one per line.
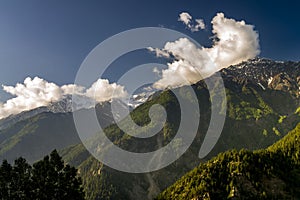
<point>266,73</point>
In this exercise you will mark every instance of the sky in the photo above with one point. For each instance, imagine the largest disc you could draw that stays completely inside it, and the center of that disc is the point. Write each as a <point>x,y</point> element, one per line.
<point>50,39</point>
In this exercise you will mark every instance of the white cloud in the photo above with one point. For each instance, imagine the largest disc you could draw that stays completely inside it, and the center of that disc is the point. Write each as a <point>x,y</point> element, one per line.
<point>157,71</point>
<point>186,18</point>
<point>37,92</point>
<point>200,24</point>
<point>72,89</point>
<point>235,41</point>
<point>31,94</point>
<point>159,52</point>
<point>191,65</point>
<point>102,90</point>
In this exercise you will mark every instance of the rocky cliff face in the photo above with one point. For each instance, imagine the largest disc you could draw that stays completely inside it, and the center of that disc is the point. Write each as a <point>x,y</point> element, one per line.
<point>275,75</point>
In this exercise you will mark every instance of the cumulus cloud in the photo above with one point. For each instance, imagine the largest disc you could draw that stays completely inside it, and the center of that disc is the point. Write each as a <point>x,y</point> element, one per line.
<point>72,89</point>
<point>186,18</point>
<point>102,90</point>
<point>37,92</point>
<point>31,94</point>
<point>234,42</point>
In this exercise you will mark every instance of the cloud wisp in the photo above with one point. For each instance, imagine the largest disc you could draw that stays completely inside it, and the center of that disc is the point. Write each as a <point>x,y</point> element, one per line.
<point>187,19</point>
<point>234,42</point>
<point>37,92</point>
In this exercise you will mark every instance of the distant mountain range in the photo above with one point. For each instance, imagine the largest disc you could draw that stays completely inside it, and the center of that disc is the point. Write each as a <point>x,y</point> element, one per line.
<point>63,106</point>
<point>35,133</point>
<point>262,106</point>
<point>67,105</point>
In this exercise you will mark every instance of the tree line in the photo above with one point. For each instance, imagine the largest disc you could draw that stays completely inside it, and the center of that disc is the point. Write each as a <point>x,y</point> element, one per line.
<point>49,178</point>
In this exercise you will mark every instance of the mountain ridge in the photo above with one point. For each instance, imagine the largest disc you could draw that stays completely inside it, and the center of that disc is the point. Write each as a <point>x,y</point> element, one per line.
<point>256,118</point>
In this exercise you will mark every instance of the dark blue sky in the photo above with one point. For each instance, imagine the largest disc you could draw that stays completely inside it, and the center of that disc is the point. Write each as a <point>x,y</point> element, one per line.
<point>50,39</point>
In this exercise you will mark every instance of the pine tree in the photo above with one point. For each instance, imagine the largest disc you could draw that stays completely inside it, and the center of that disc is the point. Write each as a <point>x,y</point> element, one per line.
<point>54,180</point>
<point>47,179</point>
<point>5,180</point>
<point>21,187</point>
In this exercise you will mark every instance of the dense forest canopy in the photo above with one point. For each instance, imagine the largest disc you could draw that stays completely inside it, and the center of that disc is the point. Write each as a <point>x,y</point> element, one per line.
<point>49,178</point>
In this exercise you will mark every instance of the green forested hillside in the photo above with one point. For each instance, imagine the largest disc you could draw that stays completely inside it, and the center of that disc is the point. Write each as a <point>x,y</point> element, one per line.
<point>252,122</point>
<point>273,173</point>
<point>34,137</point>
<point>37,136</point>
<point>262,106</point>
